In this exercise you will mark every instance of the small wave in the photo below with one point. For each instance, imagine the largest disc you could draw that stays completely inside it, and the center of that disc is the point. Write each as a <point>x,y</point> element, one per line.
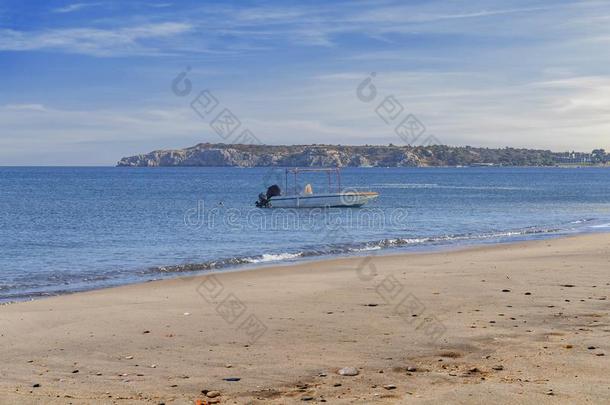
<point>367,249</point>
<point>273,258</point>
<point>600,226</point>
<point>582,221</point>
<point>189,267</point>
<point>343,249</point>
<point>398,242</point>
<point>223,263</point>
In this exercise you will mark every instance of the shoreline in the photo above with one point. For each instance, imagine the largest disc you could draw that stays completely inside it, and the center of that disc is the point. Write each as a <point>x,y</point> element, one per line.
<point>497,322</point>
<point>435,245</point>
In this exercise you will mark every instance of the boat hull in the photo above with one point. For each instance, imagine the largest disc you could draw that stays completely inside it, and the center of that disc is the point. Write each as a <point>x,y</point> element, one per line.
<point>345,199</point>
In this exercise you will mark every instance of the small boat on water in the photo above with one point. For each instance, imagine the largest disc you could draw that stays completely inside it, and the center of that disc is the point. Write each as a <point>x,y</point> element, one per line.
<point>334,196</point>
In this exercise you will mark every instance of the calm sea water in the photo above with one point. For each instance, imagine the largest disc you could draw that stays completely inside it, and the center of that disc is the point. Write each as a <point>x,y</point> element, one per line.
<point>70,229</point>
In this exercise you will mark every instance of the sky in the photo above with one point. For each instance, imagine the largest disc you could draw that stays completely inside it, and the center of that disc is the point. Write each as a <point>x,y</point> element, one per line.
<point>88,82</point>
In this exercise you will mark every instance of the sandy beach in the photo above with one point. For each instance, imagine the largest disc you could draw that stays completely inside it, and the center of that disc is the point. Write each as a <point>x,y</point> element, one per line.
<point>512,323</point>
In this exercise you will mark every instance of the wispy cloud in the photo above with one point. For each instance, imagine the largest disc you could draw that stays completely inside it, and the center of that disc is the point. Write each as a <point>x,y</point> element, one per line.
<point>50,135</point>
<point>481,72</point>
<point>49,124</point>
<point>159,5</point>
<point>93,41</point>
<point>264,26</point>
<point>24,107</point>
<point>411,14</point>
<point>70,8</point>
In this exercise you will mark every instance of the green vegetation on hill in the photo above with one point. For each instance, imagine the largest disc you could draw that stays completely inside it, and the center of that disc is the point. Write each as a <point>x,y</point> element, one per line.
<point>208,154</point>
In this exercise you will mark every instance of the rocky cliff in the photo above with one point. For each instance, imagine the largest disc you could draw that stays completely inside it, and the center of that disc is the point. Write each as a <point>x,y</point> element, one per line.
<point>206,154</point>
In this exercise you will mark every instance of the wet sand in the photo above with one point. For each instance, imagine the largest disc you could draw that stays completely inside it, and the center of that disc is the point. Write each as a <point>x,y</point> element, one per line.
<point>514,323</point>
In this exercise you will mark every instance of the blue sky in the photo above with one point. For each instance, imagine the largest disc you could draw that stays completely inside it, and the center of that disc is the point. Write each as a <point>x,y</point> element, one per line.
<point>89,82</point>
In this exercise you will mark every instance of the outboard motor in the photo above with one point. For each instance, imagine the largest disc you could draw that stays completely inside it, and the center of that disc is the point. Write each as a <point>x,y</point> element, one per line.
<point>264,198</point>
<point>274,191</point>
<point>262,201</point>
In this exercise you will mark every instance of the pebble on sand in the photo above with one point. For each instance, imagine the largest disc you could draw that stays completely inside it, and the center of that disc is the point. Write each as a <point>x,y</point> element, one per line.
<point>348,371</point>
<point>212,394</point>
<point>389,387</point>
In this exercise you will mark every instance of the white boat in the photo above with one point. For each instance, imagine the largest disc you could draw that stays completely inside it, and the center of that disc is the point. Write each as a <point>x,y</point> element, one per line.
<point>334,196</point>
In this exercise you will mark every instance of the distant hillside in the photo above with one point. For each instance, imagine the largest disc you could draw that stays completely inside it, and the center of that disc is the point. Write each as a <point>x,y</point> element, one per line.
<point>207,154</point>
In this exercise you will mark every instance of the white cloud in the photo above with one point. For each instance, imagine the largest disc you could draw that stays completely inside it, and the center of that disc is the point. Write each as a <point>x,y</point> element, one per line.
<point>459,108</point>
<point>70,8</point>
<point>259,27</point>
<point>411,14</point>
<point>37,134</point>
<point>159,5</point>
<point>560,113</point>
<point>479,74</point>
<point>25,107</point>
<point>93,41</point>
<point>46,123</point>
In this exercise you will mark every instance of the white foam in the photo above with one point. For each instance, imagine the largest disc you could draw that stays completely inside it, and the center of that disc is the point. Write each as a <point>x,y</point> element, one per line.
<point>366,249</point>
<point>275,257</point>
<point>581,221</point>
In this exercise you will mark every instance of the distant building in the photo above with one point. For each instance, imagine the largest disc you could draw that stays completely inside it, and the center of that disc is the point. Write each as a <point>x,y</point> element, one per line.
<point>574,158</point>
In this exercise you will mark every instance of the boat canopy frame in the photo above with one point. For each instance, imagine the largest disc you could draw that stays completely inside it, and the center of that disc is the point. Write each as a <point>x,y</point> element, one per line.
<point>329,171</point>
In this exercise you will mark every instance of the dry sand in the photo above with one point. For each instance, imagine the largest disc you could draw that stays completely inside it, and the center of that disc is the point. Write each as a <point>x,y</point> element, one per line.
<point>518,323</point>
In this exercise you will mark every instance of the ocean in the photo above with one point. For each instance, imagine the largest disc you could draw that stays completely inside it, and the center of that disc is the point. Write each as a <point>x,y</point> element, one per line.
<point>66,229</point>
